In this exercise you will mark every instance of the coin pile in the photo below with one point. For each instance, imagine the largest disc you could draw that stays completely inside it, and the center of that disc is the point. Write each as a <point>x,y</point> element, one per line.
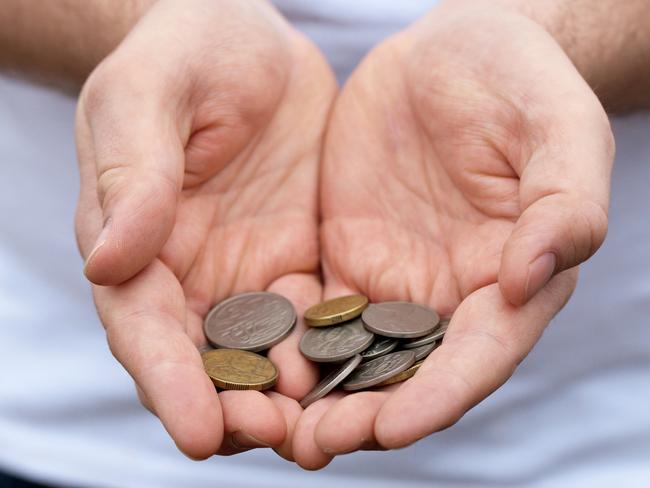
<point>367,345</point>
<point>240,327</point>
<point>374,345</point>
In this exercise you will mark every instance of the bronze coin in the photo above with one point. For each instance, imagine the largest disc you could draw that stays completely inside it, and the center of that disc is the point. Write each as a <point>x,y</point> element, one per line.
<point>336,310</point>
<point>232,369</point>
<point>377,370</point>
<point>328,383</point>
<point>403,376</point>
<point>250,321</point>
<point>400,319</point>
<point>336,343</point>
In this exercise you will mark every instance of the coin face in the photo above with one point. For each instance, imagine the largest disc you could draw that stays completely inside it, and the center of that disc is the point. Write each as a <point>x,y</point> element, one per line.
<point>422,352</point>
<point>437,334</point>
<point>403,376</point>
<point>232,369</point>
<point>336,310</point>
<point>374,372</point>
<point>400,319</point>
<point>379,347</point>
<point>328,383</point>
<point>330,344</point>
<point>250,321</point>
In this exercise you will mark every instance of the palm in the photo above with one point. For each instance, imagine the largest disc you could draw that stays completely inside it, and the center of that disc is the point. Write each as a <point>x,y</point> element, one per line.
<point>419,179</point>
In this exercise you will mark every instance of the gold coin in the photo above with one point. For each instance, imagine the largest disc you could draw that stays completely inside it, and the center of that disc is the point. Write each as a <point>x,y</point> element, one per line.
<point>231,369</point>
<point>403,376</point>
<point>335,311</point>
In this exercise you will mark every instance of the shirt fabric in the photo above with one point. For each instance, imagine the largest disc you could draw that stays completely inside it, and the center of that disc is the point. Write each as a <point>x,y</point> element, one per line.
<point>574,414</point>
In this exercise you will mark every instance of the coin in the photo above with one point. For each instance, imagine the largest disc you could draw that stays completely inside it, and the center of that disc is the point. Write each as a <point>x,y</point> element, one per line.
<point>329,344</point>
<point>400,319</point>
<point>328,383</point>
<point>231,369</point>
<point>403,376</point>
<point>336,310</point>
<point>423,351</point>
<point>380,346</point>
<point>437,334</point>
<point>377,370</point>
<point>250,321</point>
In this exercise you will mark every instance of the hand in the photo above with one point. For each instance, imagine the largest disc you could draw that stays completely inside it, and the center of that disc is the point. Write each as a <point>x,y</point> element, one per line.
<point>467,167</point>
<point>200,135</point>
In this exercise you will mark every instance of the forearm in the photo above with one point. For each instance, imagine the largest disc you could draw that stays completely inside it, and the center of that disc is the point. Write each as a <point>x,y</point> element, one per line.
<point>607,40</point>
<point>60,41</point>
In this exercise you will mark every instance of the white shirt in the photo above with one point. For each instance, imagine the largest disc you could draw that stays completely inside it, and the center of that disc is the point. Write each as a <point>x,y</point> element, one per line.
<point>574,414</point>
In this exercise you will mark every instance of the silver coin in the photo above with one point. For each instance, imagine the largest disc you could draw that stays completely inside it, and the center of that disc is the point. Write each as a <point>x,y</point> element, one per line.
<point>335,343</point>
<point>436,335</point>
<point>400,319</point>
<point>379,347</point>
<point>375,371</point>
<point>328,383</point>
<point>422,352</point>
<point>250,321</point>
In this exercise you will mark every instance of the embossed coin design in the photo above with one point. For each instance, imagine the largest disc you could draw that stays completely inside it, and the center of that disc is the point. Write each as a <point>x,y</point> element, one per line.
<point>403,376</point>
<point>379,347</point>
<point>250,321</point>
<point>336,310</point>
<point>336,343</point>
<point>328,383</point>
<point>422,352</point>
<point>400,319</point>
<point>232,369</point>
<point>380,369</point>
<point>436,335</point>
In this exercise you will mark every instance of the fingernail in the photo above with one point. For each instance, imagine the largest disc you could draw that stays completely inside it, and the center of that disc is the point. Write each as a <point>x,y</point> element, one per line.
<point>539,272</point>
<point>101,240</point>
<point>241,440</point>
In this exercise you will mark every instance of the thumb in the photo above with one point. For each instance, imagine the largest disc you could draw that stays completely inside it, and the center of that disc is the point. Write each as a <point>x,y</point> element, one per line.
<point>564,195</point>
<point>139,161</point>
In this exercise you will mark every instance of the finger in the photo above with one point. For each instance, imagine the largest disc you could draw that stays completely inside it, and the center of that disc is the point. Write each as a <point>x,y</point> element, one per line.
<point>349,424</point>
<point>144,320</point>
<point>486,340</point>
<point>564,197</point>
<point>297,375</point>
<point>306,452</point>
<point>291,411</point>
<point>251,420</point>
<point>133,139</point>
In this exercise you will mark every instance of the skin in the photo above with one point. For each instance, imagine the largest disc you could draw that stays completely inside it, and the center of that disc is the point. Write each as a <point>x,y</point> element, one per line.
<point>199,174</point>
<point>199,168</point>
<point>445,178</point>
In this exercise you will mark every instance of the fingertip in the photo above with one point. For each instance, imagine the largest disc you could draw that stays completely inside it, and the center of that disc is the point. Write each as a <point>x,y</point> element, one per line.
<point>349,424</point>
<point>306,452</point>
<point>291,410</point>
<point>252,415</point>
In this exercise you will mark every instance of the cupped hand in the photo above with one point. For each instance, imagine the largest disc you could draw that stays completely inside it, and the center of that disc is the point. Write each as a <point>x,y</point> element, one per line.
<point>466,167</point>
<point>198,141</point>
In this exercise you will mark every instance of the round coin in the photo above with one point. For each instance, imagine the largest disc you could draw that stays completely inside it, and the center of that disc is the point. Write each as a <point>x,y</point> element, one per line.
<point>328,383</point>
<point>374,372</point>
<point>250,321</point>
<point>436,335</point>
<point>331,344</point>
<point>400,319</point>
<point>422,352</point>
<point>379,347</point>
<point>403,376</point>
<point>232,369</point>
<point>336,310</point>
